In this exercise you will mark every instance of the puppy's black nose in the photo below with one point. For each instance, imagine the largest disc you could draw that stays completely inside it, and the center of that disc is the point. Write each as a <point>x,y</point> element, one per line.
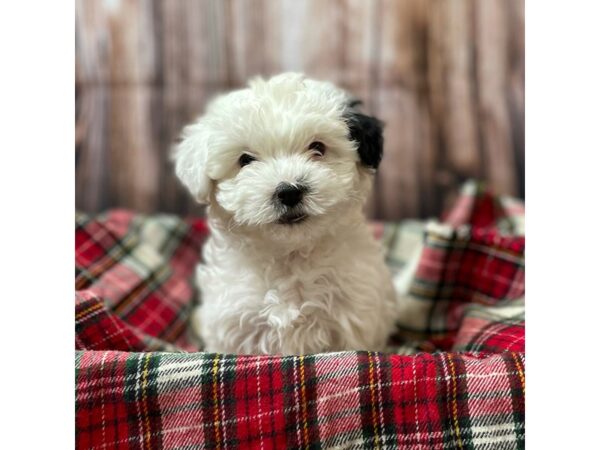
<point>288,194</point>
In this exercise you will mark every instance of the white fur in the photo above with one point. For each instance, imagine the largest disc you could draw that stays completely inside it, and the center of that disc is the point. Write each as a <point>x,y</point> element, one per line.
<point>319,285</point>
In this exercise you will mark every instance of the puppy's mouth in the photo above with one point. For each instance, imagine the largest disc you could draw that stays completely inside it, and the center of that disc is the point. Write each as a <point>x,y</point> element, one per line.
<point>292,218</point>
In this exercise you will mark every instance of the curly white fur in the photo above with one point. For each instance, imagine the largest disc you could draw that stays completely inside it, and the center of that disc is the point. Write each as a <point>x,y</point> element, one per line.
<point>285,288</point>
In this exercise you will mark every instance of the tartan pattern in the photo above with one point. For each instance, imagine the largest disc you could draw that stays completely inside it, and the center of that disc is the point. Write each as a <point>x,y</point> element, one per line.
<point>475,256</point>
<point>492,329</point>
<point>132,277</point>
<point>337,400</point>
<point>461,284</point>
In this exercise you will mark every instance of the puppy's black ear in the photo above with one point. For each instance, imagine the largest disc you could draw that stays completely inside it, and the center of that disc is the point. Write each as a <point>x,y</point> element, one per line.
<point>367,131</point>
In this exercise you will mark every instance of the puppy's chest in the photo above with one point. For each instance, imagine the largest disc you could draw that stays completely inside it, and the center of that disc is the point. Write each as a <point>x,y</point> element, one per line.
<point>304,281</point>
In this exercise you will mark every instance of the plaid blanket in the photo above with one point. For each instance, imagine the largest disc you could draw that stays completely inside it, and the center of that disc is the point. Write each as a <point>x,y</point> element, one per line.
<point>452,377</point>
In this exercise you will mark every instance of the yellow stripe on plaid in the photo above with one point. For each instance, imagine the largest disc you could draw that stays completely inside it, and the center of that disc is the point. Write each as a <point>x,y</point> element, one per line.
<point>373,409</point>
<point>146,417</point>
<point>216,401</point>
<point>520,370</point>
<point>454,402</point>
<point>304,408</point>
<point>89,310</point>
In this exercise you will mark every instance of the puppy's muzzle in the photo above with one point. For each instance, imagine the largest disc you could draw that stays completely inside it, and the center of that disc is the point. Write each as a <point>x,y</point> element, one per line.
<point>290,195</point>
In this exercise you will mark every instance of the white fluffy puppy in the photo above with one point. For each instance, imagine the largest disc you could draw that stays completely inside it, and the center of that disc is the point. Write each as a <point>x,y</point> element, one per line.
<point>291,266</point>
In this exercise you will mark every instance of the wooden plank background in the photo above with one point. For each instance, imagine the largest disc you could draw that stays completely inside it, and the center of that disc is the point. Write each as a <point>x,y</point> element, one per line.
<point>447,77</point>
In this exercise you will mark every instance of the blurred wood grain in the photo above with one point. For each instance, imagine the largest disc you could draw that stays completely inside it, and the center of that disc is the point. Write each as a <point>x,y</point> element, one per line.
<point>446,76</point>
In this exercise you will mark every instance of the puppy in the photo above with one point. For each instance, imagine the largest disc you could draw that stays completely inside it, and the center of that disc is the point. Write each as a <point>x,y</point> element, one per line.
<point>291,266</point>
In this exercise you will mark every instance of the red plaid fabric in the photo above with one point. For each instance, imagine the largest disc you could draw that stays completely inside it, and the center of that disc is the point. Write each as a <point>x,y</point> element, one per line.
<point>141,382</point>
<point>492,329</point>
<point>474,259</point>
<point>134,291</point>
<point>338,400</point>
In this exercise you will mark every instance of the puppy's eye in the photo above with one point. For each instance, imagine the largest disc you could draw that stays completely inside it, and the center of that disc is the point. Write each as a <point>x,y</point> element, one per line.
<point>246,159</point>
<point>317,147</point>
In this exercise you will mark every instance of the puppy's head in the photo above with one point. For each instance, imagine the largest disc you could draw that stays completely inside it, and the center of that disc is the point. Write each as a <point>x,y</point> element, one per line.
<point>286,155</point>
